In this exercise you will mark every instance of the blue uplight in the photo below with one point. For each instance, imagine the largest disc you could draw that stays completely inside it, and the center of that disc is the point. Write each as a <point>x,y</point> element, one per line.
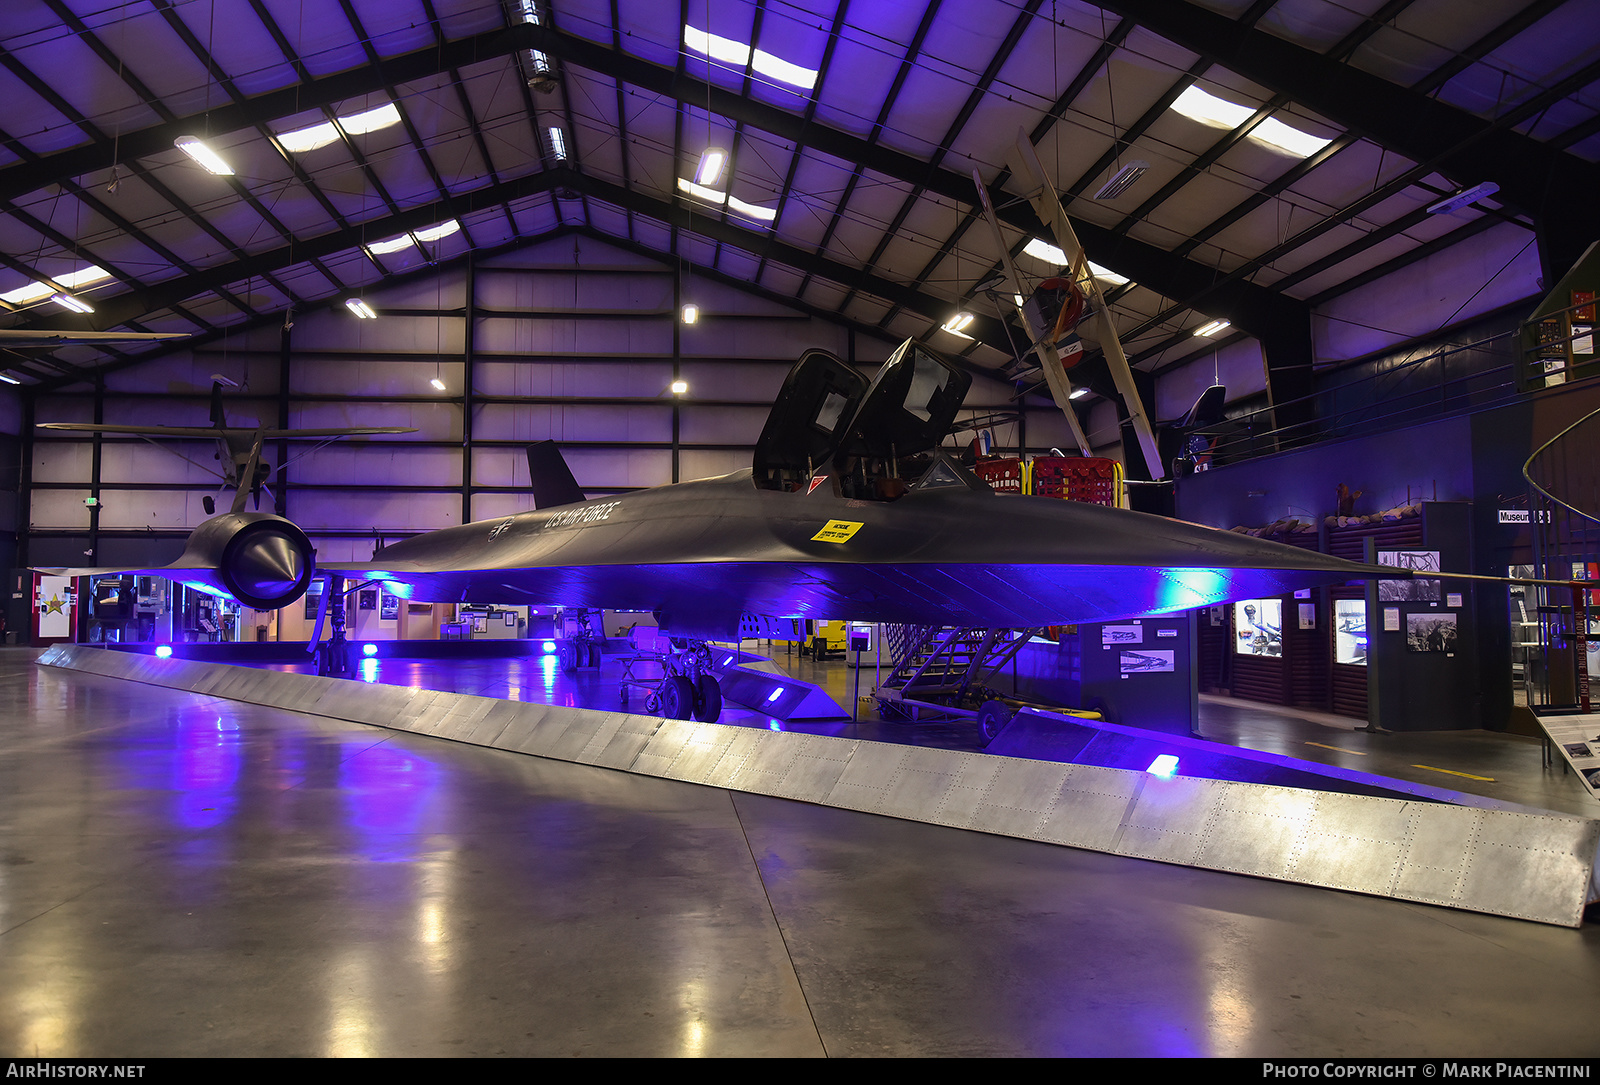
<point>369,649</point>
<point>548,647</point>
<point>164,652</point>
<point>1163,766</point>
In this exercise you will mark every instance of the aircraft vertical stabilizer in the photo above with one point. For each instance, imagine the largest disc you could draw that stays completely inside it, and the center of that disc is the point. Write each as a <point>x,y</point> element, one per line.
<point>551,478</point>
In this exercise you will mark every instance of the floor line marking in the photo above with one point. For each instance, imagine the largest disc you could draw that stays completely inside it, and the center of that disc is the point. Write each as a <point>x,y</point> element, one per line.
<point>1453,772</point>
<point>1341,749</point>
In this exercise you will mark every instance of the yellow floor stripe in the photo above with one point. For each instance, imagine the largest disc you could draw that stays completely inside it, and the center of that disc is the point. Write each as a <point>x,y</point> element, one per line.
<point>1341,749</point>
<point>1453,772</point>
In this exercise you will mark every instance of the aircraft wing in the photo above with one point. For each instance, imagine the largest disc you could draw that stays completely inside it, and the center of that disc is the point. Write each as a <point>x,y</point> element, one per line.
<point>703,553</point>
<point>227,431</point>
<point>27,337</point>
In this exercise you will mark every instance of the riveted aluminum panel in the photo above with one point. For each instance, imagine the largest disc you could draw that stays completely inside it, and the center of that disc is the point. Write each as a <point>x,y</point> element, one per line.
<point>1525,865</point>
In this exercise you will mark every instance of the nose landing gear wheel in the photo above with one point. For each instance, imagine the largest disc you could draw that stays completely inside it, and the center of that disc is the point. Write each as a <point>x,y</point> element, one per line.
<point>707,699</point>
<point>676,695</point>
<point>992,719</point>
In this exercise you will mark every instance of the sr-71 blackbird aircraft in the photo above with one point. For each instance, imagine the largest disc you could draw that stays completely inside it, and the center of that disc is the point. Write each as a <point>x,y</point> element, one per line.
<point>849,511</point>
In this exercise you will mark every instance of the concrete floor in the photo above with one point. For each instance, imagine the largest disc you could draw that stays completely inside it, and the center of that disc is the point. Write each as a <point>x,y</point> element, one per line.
<point>181,875</point>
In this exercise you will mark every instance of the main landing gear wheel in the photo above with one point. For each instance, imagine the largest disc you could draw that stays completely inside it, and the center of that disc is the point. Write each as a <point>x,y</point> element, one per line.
<point>707,699</point>
<point>992,719</point>
<point>676,694</point>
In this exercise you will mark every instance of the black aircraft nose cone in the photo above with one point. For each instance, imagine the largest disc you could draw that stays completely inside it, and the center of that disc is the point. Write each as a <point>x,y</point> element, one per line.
<point>268,564</point>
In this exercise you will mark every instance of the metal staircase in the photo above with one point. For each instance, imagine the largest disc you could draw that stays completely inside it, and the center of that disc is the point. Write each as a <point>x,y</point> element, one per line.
<point>944,667</point>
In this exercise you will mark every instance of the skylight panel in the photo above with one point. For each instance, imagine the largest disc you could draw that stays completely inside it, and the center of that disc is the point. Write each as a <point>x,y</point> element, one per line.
<point>371,120</point>
<point>434,233</point>
<point>1198,105</point>
<point>733,203</point>
<point>1050,254</point>
<point>356,124</point>
<point>394,244</point>
<point>737,54</point>
<point>37,291</point>
<point>309,139</point>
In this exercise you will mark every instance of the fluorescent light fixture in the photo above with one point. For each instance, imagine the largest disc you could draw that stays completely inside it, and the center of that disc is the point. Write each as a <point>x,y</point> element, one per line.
<point>197,150</point>
<point>1464,198</point>
<point>709,172</point>
<point>733,203</point>
<point>9,379</point>
<point>434,233</point>
<point>691,313</point>
<point>360,308</point>
<point>1122,180</point>
<point>1078,393</point>
<point>67,301</point>
<point>958,324</point>
<point>1208,330</point>
<point>437,383</point>
<point>302,140</point>
<point>737,54</point>
<point>1165,765</point>
<point>358,124</point>
<point>679,387</point>
<point>558,143</point>
<point>1198,105</point>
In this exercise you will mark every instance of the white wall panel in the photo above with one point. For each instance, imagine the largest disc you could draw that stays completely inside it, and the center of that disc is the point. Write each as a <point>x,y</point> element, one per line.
<point>563,291</point>
<point>716,297</point>
<point>241,411</point>
<point>989,393</point>
<point>603,468</point>
<point>499,467</point>
<point>159,509</point>
<point>144,462</point>
<point>777,340</point>
<point>707,464</point>
<point>575,378</point>
<point>433,421</point>
<point>338,376</point>
<point>755,382</point>
<point>328,331</point>
<point>373,464</point>
<point>1494,268</point>
<point>1238,367</point>
<point>621,336</point>
<point>335,510</point>
<point>55,509</point>
<point>10,411</point>
<point>63,462</point>
<point>533,422</point>
<point>63,409</point>
<point>721,425</point>
<point>190,373</point>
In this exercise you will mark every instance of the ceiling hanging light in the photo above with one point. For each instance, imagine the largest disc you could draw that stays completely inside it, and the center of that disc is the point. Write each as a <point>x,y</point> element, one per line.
<point>1464,198</point>
<point>1208,330</point>
<point>691,313</point>
<point>360,308</point>
<point>709,172</point>
<point>197,150</point>
<point>679,386</point>
<point>1122,180</point>
<point>958,324</point>
<point>67,301</point>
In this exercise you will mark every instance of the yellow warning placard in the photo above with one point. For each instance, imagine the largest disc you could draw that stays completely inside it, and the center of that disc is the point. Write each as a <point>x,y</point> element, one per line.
<point>837,531</point>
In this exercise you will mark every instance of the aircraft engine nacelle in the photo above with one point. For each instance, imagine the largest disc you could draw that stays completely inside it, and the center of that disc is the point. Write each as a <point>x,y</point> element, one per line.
<point>262,560</point>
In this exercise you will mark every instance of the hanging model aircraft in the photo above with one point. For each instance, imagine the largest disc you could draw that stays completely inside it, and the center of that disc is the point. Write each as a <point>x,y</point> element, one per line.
<point>850,510</point>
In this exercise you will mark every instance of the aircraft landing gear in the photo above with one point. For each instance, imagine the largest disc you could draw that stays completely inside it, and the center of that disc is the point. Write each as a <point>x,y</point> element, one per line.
<point>582,649</point>
<point>687,689</point>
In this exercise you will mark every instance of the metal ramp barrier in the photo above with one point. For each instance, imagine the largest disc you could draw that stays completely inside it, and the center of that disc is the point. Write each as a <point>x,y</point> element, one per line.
<point>1526,865</point>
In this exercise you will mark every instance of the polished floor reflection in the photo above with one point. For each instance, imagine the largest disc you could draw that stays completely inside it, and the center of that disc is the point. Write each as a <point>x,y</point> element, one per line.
<point>181,875</point>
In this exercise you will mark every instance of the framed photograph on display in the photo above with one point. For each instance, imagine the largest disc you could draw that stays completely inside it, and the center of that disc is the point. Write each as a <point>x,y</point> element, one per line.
<point>1258,627</point>
<point>1431,631</point>
<point>1410,591</point>
<point>1350,632</point>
